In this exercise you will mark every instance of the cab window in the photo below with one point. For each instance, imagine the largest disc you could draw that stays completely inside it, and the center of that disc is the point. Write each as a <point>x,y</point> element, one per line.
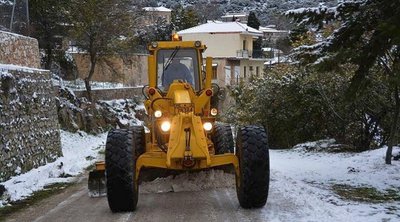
<point>177,64</point>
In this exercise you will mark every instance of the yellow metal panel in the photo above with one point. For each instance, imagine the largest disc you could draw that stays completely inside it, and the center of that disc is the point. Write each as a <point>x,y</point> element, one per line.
<point>100,165</point>
<point>177,142</point>
<point>208,72</point>
<point>174,44</point>
<point>152,71</point>
<point>182,97</point>
<point>157,160</point>
<point>201,102</point>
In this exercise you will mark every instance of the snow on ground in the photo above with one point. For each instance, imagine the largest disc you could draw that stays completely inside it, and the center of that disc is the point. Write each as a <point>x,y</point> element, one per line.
<point>301,184</point>
<point>307,179</point>
<point>6,67</point>
<point>79,149</point>
<point>79,84</point>
<point>300,188</point>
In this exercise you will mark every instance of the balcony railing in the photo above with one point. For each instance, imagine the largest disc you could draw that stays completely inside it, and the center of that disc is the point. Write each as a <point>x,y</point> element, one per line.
<point>243,53</point>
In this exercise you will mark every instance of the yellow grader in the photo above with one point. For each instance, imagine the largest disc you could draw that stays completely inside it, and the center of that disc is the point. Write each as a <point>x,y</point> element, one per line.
<point>182,133</point>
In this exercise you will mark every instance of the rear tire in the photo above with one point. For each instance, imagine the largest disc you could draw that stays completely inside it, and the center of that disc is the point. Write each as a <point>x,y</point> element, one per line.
<point>252,151</point>
<point>122,149</point>
<point>223,139</point>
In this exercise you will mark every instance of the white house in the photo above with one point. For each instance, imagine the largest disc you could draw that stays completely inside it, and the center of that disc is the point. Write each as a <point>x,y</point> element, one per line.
<point>235,17</point>
<point>271,34</point>
<point>231,46</point>
<point>153,13</point>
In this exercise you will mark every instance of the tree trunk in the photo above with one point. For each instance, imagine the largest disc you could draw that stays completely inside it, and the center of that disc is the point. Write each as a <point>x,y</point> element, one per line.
<point>89,77</point>
<point>49,58</point>
<point>393,131</point>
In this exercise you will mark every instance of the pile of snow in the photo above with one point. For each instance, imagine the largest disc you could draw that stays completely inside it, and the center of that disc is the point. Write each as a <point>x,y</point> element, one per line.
<point>79,84</point>
<point>124,109</point>
<point>80,151</point>
<point>6,67</point>
<point>197,181</point>
<point>320,145</point>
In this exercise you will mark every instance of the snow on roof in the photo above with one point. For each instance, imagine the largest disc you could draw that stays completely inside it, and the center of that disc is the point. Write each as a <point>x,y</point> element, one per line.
<point>268,29</point>
<point>222,27</point>
<point>234,15</point>
<point>157,9</point>
<point>269,49</point>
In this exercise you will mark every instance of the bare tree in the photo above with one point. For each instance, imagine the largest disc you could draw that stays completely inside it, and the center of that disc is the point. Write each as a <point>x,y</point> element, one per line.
<point>101,27</point>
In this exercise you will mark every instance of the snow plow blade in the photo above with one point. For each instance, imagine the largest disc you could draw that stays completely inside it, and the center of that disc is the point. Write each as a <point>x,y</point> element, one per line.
<point>97,183</point>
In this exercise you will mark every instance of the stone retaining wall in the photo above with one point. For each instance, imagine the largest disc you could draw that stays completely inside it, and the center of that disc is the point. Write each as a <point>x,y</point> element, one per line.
<point>29,130</point>
<point>130,70</point>
<point>110,94</point>
<point>19,50</point>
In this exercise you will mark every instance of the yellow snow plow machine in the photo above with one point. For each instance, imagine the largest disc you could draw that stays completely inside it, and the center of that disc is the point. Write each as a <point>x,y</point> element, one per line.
<point>182,133</point>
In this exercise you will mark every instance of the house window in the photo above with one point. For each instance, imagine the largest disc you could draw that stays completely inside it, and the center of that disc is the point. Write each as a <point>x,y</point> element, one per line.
<point>257,70</point>
<point>244,72</point>
<point>214,72</point>
<point>244,44</point>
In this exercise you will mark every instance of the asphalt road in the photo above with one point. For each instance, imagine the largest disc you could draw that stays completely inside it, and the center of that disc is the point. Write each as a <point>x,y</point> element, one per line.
<point>74,205</point>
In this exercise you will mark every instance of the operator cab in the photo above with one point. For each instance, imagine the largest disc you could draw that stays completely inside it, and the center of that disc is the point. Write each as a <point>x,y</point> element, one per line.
<point>179,64</point>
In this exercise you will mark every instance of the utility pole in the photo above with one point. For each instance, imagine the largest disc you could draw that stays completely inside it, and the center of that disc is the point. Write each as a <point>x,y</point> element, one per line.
<point>14,16</point>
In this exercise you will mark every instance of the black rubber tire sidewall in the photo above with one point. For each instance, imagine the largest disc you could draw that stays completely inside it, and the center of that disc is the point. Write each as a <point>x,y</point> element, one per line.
<point>223,139</point>
<point>252,151</point>
<point>122,149</point>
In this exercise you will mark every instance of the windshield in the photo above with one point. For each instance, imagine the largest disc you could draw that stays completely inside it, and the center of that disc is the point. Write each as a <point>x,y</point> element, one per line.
<point>177,64</point>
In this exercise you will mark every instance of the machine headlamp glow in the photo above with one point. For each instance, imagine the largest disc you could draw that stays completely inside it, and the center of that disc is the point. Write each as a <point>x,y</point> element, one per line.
<point>154,44</point>
<point>207,126</point>
<point>165,126</point>
<point>158,113</point>
<point>214,111</point>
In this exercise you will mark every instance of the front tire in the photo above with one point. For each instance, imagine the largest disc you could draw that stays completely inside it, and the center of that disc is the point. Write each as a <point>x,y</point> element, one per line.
<point>252,151</point>
<point>223,139</point>
<point>122,149</point>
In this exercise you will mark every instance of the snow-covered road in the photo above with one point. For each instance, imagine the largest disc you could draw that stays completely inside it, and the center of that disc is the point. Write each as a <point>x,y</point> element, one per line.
<point>300,190</point>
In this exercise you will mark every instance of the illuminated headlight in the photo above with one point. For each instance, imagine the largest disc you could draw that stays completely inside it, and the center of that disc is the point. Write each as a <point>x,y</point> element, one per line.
<point>157,113</point>
<point>214,112</point>
<point>207,126</point>
<point>165,126</point>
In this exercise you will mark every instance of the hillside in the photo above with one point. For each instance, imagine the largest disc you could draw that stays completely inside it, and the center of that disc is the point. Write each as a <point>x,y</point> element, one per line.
<point>268,11</point>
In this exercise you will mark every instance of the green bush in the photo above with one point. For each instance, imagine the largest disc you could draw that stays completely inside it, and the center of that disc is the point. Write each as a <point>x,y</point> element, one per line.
<point>298,105</point>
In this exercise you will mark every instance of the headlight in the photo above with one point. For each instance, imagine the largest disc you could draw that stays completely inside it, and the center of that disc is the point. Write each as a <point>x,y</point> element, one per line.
<point>165,126</point>
<point>214,112</point>
<point>207,126</point>
<point>158,113</point>
<point>154,44</point>
<point>197,44</point>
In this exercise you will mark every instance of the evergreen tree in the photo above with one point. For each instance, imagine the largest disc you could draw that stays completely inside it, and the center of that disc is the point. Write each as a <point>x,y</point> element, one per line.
<point>253,21</point>
<point>47,19</point>
<point>160,31</point>
<point>182,18</point>
<point>368,37</point>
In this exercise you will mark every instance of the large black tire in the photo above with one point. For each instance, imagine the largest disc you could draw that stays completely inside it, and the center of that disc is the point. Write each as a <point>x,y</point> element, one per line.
<point>122,149</point>
<point>223,139</point>
<point>252,151</point>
